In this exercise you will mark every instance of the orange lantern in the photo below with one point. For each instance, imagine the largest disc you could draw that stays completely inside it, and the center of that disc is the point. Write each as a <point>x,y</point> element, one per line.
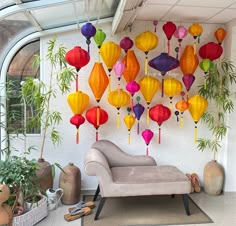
<point>98,81</point>
<point>172,87</point>
<point>118,99</point>
<point>195,30</point>
<point>129,122</point>
<point>188,61</point>
<point>197,106</point>
<point>132,66</point>
<point>182,106</point>
<point>110,53</point>
<point>220,34</point>
<point>146,41</point>
<point>148,87</point>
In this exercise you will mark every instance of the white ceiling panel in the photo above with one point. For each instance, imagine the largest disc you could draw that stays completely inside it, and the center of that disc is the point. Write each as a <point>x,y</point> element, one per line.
<point>161,2</point>
<point>190,14</point>
<point>233,6</point>
<point>224,16</point>
<point>152,12</point>
<point>207,3</point>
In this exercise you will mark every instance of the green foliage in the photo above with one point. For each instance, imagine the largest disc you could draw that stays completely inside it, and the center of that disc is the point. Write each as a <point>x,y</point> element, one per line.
<point>216,91</point>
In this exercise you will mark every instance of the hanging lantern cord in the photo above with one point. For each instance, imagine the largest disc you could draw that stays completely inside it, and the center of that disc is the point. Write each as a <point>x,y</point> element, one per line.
<point>146,64</point>
<point>96,134</point>
<point>147,150</point>
<point>195,133</point>
<point>129,136</point>
<point>159,135</point>
<point>77,136</point>
<point>118,119</point>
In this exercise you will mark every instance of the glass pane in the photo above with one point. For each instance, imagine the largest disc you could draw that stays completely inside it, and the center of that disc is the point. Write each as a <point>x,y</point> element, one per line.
<point>6,3</point>
<point>20,68</point>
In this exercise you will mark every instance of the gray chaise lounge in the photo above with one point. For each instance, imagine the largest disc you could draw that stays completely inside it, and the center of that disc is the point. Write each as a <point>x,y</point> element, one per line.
<point>121,175</point>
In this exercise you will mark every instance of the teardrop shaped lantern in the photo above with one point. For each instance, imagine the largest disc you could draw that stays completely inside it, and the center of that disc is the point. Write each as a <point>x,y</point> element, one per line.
<point>206,65</point>
<point>129,121</point>
<point>110,53</point>
<point>126,43</point>
<point>99,37</point>
<point>210,51</point>
<point>220,34</point>
<point>146,41</point>
<point>118,99</point>
<point>119,68</point>
<point>138,110</point>
<point>147,135</point>
<point>180,33</point>
<point>195,30</point>
<point>77,120</point>
<point>163,63</point>
<point>172,87</point>
<point>132,87</point>
<point>169,29</point>
<point>98,81</point>
<point>188,80</point>
<point>182,106</point>
<point>148,87</point>
<point>197,106</point>
<point>132,66</point>
<point>88,31</point>
<point>78,58</point>
<point>97,117</point>
<point>159,113</point>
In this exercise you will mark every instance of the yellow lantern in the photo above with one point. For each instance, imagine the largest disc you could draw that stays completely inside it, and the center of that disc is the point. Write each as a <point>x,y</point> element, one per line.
<point>197,105</point>
<point>98,81</point>
<point>146,41</point>
<point>129,122</point>
<point>118,98</point>
<point>78,101</point>
<point>172,87</point>
<point>148,87</point>
<point>195,30</point>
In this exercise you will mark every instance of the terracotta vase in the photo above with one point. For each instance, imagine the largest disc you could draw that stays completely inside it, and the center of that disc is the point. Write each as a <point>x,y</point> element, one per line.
<point>44,174</point>
<point>213,178</point>
<point>70,182</point>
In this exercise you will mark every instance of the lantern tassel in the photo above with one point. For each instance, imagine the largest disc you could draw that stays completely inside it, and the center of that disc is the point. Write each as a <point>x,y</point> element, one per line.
<point>159,136</point>
<point>179,52</point>
<point>138,127</point>
<point>205,85</point>
<point>99,59</point>
<point>109,84</point>
<point>98,116</point>
<point>77,136</point>
<point>147,117</point>
<point>132,104</point>
<point>195,134</point>
<point>162,87</point>
<point>147,150</point>
<point>194,48</point>
<point>171,105</point>
<point>146,65</point>
<point>129,138</point>
<point>76,83</point>
<point>181,121</point>
<point>118,120</point>
<point>96,135</point>
<point>168,44</point>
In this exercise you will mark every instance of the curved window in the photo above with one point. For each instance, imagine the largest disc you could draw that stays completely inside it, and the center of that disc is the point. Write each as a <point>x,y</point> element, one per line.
<point>21,67</point>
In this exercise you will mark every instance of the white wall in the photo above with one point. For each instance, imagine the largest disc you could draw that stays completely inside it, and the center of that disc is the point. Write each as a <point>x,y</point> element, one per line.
<point>177,146</point>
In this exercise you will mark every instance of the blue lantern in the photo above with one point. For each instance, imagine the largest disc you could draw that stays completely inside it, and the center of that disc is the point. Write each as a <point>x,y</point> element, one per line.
<point>88,31</point>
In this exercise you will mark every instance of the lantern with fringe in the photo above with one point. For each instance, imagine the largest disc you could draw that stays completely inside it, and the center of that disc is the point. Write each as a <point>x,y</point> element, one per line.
<point>129,121</point>
<point>182,106</point>
<point>119,68</point>
<point>169,29</point>
<point>147,135</point>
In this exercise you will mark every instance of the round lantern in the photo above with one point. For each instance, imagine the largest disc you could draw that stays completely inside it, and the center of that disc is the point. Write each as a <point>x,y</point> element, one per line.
<point>220,34</point>
<point>210,51</point>
<point>88,31</point>
<point>126,43</point>
<point>129,121</point>
<point>197,106</point>
<point>205,65</point>
<point>182,106</point>
<point>195,30</point>
<point>96,116</point>
<point>132,87</point>
<point>99,37</point>
<point>180,33</point>
<point>77,120</point>
<point>147,135</point>
<point>159,113</point>
<point>138,110</point>
<point>132,66</point>
<point>169,29</point>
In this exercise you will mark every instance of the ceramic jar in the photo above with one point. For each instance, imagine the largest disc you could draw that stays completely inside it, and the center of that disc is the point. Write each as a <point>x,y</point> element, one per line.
<point>70,182</point>
<point>5,210</point>
<point>213,178</point>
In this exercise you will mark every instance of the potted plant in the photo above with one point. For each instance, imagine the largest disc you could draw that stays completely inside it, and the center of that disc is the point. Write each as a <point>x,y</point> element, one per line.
<point>40,94</point>
<point>216,90</point>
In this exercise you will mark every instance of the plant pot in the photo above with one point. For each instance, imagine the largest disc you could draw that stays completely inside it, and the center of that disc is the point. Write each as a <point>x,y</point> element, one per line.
<point>44,174</point>
<point>32,202</point>
<point>213,178</point>
<point>18,210</point>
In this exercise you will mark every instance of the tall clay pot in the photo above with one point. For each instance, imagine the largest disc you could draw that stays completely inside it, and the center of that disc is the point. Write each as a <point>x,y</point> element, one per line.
<point>44,174</point>
<point>70,182</point>
<point>213,178</point>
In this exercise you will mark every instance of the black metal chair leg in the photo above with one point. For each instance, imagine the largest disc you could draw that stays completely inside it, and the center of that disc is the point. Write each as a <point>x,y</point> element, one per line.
<point>96,193</point>
<point>172,196</point>
<point>186,206</point>
<point>101,203</point>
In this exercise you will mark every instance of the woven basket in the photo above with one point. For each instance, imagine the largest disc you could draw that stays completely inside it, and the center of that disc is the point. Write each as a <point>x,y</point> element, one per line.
<point>34,215</point>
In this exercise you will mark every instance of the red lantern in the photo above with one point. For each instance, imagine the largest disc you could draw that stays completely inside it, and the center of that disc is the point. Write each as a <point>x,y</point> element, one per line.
<point>169,29</point>
<point>96,116</point>
<point>159,113</point>
<point>77,120</point>
<point>210,51</point>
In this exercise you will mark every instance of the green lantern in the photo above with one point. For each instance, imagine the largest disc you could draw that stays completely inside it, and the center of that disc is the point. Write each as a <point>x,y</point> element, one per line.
<point>205,65</point>
<point>99,37</point>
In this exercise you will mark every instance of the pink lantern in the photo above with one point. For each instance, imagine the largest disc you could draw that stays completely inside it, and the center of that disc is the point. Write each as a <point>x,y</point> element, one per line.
<point>119,68</point>
<point>180,33</point>
<point>132,87</point>
<point>147,135</point>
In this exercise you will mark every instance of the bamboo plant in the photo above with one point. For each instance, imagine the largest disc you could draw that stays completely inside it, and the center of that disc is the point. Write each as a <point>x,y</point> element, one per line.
<point>216,90</point>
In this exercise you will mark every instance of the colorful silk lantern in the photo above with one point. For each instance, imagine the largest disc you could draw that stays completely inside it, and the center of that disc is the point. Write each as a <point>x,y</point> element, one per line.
<point>220,34</point>
<point>98,81</point>
<point>118,99</point>
<point>195,30</point>
<point>155,22</point>
<point>96,116</point>
<point>169,29</point>
<point>119,68</point>
<point>163,63</point>
<point>88,31</point>
<point>147,135</point>
<point>132,87</point>
<point>205,65</point>
<point>172,87</point>
<point>159,113</point>
<point>148,87</point>
<point>146,41</point>
<point>77,120</point>
<point>126,43</point>
<point>182,106</point>
<point>188,80</point>
<point>110,53</point>
<point>99,37</point>
<point>132,66</point>
<point>78,58</point>
<point>197,106</point>
<point>129,121</point>
<point>180,33</point>
<point>210,51</point>
<point>138,110</point>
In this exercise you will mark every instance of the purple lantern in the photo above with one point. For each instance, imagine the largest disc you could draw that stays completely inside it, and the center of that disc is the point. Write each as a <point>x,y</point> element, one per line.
<point>88,31</point>
<point>147,135</point>
<point>138,110</point>
<point>188,80</point>
<point>126,43</point>
<point>163,63</point>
